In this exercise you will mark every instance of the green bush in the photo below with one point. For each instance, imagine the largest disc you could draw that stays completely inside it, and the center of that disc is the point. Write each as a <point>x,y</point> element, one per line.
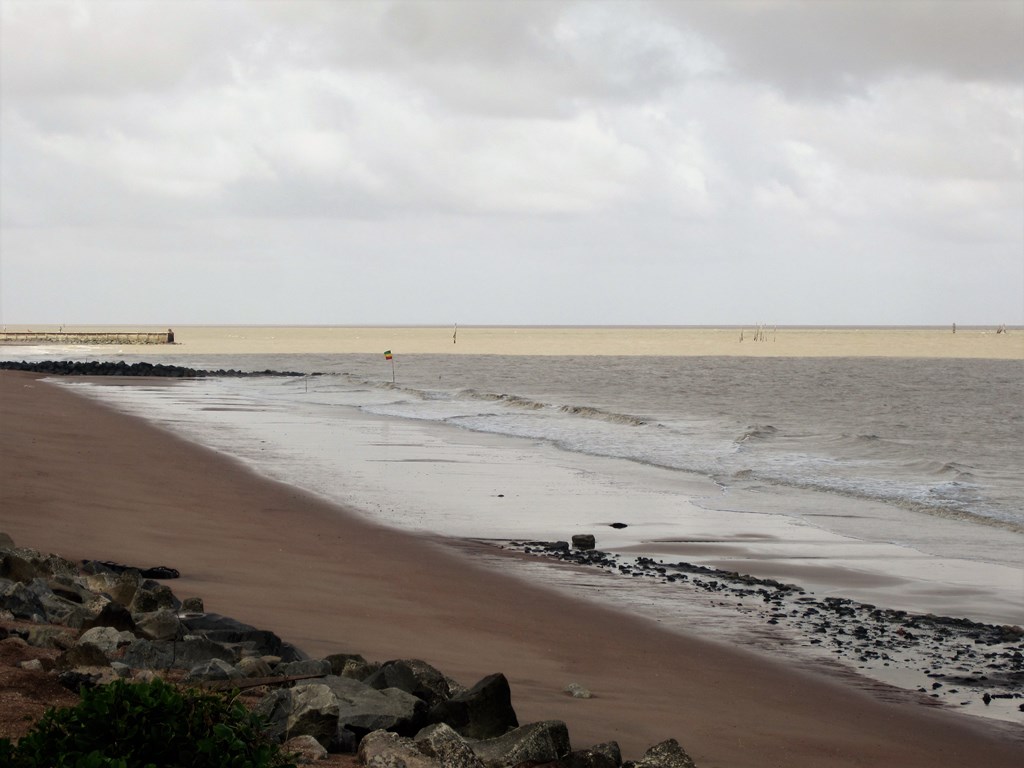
<point>147,725</point>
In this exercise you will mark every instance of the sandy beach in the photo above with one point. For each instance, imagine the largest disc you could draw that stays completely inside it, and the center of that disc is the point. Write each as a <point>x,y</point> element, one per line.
<point>729,341</point>
<point>85,481</point>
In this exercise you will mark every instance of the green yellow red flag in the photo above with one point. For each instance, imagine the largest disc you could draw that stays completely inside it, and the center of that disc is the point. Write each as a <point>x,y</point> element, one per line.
<point>387,355</point>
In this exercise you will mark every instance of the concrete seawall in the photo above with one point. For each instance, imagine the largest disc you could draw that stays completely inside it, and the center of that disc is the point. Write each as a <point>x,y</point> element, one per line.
<point>85,337</point>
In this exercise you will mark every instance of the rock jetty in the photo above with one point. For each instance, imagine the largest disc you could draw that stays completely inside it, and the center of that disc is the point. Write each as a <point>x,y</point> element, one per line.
<point>121,368</point>
<point>106,621</point>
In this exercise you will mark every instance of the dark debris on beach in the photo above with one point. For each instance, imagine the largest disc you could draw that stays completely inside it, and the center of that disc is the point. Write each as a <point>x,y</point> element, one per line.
<point>961,662</point>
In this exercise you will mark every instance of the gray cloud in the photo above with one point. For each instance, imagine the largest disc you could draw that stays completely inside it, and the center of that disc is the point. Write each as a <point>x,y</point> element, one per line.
<point>822,49</point>
<point>525,162</point>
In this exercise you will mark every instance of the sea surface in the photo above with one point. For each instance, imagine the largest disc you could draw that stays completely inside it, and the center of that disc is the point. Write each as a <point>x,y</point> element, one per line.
<point>893,479</point>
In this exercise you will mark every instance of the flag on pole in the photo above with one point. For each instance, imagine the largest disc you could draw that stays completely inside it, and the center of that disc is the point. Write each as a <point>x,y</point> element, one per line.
<point>387,355</point>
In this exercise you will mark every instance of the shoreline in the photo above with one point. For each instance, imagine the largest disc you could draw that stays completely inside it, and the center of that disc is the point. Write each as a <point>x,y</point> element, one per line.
<point>88,482</point>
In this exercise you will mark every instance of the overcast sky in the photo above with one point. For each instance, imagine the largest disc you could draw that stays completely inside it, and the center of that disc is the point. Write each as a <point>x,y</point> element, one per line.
<point>320,162</point>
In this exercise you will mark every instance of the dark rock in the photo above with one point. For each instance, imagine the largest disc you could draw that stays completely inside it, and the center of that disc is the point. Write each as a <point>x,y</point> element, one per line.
<point>381,749</point>
<point>85,655</point>
<point>345,740</point>
<point>16,567</point>
<point>159,625</point>
<point>160,572</point>
<point>588,758</point>
<point>412,676</point>
<point>307,710</point>
<point>482,712</point>
<point>165,654</point>
<point>304,749</point>
<point>222,629</point>
<point>121,368</point>
<point>584,541</point>
<point>119,587</point>
<point>199,650</point>
<point>112,615</point>
<point>442,743</point>
<point>609,749</point>
<point>363,709</point>
<point>76,681</point>
<point>541,742</point>
<point>107,639</point>
<point>152,596</point>
<point>22,602</point>
<point>349,665</point>
<point>214,669</point>
<point>193,605</point>
<point>304,667</point>
<point>667,754</point>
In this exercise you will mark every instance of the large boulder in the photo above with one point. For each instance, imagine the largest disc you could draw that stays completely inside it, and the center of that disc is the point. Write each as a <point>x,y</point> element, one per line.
<point>213,670</point>
<point>107,639</point>
<point>667,754</point>
<point>164,654</point>
<point>253,666</point>
<point>412,676</point>
<point>482,712</point>
<point>304,667</point>
<point>304,749</point>
<point>308,710</point>
<point>587,758</point>
<point>350,665</point>
<point>65,608</point>
<point>22,602</point>
<point>112,614</point>
<point>17,567</point>
<point>196,650</point>
<point>223,629</point>
<point>119,587</point>
<point>541,742</point>
<point>153,596</point>
<point>382,749</point>
<point>158,625</point>
<point>442,743</point>
<point>338,710</point>
<point>362,709</point>
<point>82,656</point>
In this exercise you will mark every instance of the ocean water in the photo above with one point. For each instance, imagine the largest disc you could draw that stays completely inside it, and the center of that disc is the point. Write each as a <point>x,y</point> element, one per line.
<point>892,480</point>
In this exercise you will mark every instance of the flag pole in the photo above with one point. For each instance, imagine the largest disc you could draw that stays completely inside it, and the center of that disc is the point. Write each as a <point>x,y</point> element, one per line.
<point>389,356</point>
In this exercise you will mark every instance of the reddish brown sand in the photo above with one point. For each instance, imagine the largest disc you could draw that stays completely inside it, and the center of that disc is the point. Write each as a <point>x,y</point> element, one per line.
<point>84,481</point>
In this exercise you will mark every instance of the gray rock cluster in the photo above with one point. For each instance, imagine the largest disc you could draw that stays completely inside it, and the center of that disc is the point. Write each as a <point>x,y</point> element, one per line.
<point>401,713</point>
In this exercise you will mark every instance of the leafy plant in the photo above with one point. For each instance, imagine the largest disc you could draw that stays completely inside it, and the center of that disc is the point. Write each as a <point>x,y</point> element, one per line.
<point>147,725</point>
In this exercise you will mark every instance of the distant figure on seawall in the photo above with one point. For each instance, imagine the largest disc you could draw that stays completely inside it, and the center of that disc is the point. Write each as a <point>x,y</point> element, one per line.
<point>170,335</point>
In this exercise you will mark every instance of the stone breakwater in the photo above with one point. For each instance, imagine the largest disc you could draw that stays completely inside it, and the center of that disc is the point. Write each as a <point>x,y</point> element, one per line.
<point>960,662</point>
<point>103,368</point>
<point>101,621</point>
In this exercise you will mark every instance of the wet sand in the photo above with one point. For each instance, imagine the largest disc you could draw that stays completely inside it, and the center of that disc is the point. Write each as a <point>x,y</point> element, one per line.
<point>88,482</point>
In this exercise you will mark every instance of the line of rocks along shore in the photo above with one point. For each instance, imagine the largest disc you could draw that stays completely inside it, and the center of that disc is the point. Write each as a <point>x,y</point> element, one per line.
<point>94,622</point>
<point>961,662</point>
<point>121,368</point>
